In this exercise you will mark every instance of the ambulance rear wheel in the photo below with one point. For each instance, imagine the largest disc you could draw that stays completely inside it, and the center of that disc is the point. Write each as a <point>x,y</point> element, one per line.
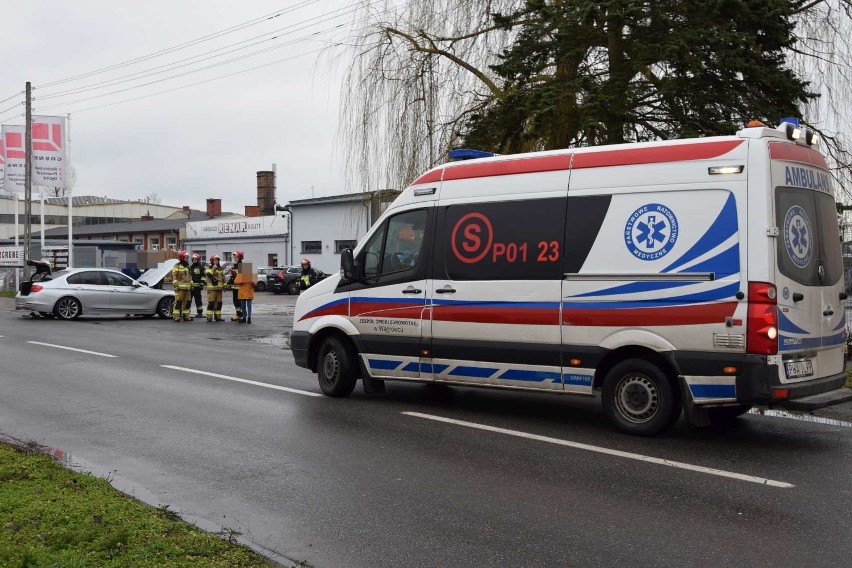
<point>336,368</point>
<point>639,398</point>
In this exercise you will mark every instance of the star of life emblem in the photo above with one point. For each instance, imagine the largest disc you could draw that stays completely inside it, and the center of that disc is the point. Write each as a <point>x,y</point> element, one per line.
<point>798,238</point>
<point>651,232</point>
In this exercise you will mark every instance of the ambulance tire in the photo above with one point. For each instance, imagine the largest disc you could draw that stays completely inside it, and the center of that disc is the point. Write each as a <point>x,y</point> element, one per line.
<point>727,415</point>
<point>640,399</point>
<point>336,368</point>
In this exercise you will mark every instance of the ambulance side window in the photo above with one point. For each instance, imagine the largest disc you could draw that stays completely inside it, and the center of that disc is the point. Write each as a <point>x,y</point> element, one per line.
<point>397,245</point>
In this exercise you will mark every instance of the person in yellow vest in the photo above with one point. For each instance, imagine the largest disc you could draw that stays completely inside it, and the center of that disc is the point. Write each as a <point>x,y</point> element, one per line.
<point>215,278</point>
<point>196,271</point>
<point>182,282</point>
<point>245,293</point>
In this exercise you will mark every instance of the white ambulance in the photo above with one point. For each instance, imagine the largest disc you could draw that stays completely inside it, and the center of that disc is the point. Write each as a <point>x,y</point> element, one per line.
<point>699,275</point>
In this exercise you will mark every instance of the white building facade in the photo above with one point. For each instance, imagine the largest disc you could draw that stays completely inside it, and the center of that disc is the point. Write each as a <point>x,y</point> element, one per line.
<point>264,240</point>
<point>322,227</point>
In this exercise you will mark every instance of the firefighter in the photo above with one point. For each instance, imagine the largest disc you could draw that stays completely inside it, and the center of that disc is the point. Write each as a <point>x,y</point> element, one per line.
<point>215,278</point>
<point>182,283</point>
<point>196,271</point>
<point>232,274</point>
<point>309,275</point>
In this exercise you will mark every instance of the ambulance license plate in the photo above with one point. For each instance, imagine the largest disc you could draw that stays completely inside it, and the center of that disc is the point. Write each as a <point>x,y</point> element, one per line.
<point>799,369</point>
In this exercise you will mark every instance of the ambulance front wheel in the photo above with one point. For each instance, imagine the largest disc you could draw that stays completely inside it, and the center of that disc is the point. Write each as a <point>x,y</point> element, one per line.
<point>336,368</point>
<point>639,398</point>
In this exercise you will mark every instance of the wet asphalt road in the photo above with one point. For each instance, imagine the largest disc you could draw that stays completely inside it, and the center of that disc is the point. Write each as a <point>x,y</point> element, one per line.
<point>376,480</point>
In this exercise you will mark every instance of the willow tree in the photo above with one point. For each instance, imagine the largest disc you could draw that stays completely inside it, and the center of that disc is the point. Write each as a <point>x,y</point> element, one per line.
<point>513,76</point>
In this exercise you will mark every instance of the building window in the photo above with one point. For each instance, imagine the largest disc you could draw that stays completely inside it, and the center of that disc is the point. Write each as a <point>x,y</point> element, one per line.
<point>272,259</point>
<point>155,243</point>
<point>140,243</point>
<point>171,243</point>
<point>227,257</point>
<point>311,247</point>
<point>340,245</point>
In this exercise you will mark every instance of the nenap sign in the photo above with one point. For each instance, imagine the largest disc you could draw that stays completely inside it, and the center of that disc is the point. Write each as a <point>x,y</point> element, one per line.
<point>12,257</point>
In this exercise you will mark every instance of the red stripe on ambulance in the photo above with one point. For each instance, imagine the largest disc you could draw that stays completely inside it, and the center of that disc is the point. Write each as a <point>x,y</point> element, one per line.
<point>649,317</point>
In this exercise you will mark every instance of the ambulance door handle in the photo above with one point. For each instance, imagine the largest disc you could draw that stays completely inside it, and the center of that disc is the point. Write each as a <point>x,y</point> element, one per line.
<point>798,296</point>
<point>412,290</point>
<point>446,290</point>
<point>828,312</point>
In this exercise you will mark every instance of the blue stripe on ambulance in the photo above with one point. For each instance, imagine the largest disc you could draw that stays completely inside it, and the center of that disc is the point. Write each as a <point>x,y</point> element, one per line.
<point>723,228</point>
<point>713,391</point>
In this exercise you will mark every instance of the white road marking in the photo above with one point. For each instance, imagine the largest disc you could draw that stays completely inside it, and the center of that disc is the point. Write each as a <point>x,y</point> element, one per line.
<point>72,349</point>
<point>238,380</point>
<point>607,451</point>
<point>800,417</point>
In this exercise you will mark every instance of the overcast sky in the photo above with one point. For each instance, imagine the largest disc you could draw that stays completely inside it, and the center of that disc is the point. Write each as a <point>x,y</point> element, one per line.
<point>206,140</point>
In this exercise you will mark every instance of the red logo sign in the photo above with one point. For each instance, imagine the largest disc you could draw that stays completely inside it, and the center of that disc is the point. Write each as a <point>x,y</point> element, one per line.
<point>15,145</point>
<point>472,237</point>
<point>47,137</point>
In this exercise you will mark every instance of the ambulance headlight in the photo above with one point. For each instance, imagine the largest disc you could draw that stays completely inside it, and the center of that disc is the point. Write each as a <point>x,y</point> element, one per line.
<point>797,133</point>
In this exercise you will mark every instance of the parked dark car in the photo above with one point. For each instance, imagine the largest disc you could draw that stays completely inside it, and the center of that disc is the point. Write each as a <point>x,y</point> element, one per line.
<point>286,280</point>
<point>264,274</point>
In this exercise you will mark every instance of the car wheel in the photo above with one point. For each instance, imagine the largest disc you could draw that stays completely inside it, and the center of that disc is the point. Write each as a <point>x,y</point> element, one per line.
<point>67,308</point>
<point>336,368</point>
<point>639,398</point>
<point>725,415</point>
<point>164,307</point>
<point>293,287</point>
<point>260,286</point>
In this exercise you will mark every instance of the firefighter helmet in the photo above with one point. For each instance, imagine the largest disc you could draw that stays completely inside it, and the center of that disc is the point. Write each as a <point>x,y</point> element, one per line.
<point>306,261</point>
<point>214,258</point>
<point>182,255</point>
<point>196,257</point>
<point>238,254</point>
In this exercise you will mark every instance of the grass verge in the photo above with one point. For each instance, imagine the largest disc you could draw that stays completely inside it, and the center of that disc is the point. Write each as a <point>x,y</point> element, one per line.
<point>51,516</point>
<point>7,294</point>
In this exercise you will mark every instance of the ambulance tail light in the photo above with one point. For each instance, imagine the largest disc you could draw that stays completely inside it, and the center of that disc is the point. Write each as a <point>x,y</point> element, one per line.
<point>762,323</point>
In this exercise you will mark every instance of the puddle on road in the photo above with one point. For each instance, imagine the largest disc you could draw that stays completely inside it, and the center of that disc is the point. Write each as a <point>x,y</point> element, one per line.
<point>800,417</point>
<point>142,494</point>
<point>281,340</point>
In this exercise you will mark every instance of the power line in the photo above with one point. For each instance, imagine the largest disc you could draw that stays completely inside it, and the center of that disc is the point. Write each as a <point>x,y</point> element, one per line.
<point>186,62</point>
<point>18,94</point>
<point>199,82</point>
<point>190,43</point>
<point>218,64</point>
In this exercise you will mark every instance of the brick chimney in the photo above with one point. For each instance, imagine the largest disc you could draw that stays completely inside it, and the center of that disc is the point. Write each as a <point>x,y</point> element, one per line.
<point>147,217</point>
<point>214,207</point>
<point>252,211</point>
<point>266,192</point>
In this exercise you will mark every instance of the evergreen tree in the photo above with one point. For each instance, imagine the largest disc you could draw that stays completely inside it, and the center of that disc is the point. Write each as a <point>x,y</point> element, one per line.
<point>585,72</point>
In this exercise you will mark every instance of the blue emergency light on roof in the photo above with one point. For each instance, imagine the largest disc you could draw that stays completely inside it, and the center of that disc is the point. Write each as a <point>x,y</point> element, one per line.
<point>791,120</point>
<point>468,154</point>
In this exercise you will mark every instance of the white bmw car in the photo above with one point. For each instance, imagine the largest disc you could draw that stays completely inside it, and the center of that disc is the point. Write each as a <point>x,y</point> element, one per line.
<point>73,292</point>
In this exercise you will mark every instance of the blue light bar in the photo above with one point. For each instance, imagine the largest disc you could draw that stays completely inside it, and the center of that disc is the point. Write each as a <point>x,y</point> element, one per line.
<point>791,120</point>
<point>468,154</point>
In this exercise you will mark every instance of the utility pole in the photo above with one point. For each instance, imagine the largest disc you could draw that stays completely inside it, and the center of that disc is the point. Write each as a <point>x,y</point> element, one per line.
<point>28,181</point>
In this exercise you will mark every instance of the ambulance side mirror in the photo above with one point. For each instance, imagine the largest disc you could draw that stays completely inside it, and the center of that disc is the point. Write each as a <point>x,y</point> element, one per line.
<point>347,264</point>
